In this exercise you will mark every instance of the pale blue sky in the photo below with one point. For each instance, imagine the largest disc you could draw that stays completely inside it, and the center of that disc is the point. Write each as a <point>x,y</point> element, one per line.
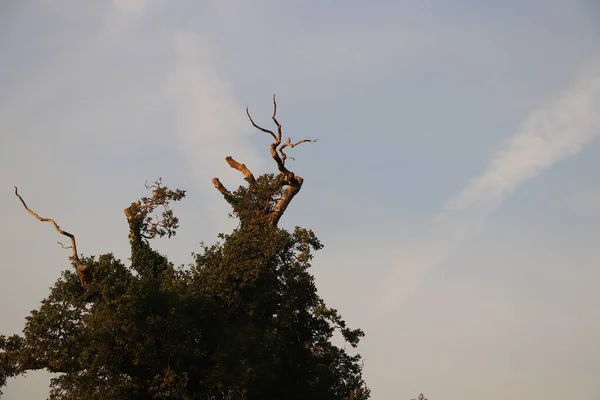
<point>454,183</point>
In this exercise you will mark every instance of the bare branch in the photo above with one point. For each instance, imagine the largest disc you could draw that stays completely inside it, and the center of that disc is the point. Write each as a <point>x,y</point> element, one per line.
<point>288,143</point>
<point>260,127</point>
<point>63,246</point>
<point>82,270</point>
<point>303,141</point>
<point>242,168</point>
<point>217,183</point>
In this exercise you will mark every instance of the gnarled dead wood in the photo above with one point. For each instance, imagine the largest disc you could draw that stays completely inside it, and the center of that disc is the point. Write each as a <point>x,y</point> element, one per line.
<point>291,180</point>
<point>219,186</point>
<point>82,269</point>
<point>242,168</point>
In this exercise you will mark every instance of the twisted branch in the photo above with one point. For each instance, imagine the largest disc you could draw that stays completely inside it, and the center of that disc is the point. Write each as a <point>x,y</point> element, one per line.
<point>82,270</point>
<point>260,128</point>
<point>277,147</point>
<point>288,143</point>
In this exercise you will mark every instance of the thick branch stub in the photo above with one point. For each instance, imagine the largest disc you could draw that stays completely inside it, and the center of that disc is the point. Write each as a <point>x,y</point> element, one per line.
<point>242,168</point>
<point>219,186</point>
<point>82,269</point>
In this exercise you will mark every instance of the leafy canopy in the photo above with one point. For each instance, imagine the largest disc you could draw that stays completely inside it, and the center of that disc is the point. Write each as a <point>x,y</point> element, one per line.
<point>244,321</point>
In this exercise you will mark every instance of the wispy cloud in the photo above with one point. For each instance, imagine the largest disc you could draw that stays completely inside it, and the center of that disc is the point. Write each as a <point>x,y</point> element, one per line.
<point>547,136</point>
<point>211,124</point>
<point>124,14</point>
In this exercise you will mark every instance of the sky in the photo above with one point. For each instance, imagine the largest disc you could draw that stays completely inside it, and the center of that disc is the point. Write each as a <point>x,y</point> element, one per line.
<point>454,182</point>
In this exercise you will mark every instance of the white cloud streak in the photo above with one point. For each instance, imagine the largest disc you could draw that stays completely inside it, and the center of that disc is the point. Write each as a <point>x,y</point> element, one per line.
<point>549,135</point>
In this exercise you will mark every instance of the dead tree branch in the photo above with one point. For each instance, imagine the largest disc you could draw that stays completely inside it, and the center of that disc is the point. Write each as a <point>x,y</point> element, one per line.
<point>288,143</point>
<point>291,180</point>
<point>260,128</point>
<point>82,269</point>
<point>242,168</point>
<point>219,186</point>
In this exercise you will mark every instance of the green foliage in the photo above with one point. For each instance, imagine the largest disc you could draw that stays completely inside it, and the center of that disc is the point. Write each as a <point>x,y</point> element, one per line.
<point>253,203</point>
<point>243,322</point>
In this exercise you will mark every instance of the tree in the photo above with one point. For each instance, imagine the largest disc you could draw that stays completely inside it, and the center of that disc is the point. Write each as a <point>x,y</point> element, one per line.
<point>244,321</point>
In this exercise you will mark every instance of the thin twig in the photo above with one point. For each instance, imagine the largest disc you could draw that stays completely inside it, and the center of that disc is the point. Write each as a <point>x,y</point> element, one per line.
<point>288,143</point>
<point>274,117</point>
<point>260,127</point>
